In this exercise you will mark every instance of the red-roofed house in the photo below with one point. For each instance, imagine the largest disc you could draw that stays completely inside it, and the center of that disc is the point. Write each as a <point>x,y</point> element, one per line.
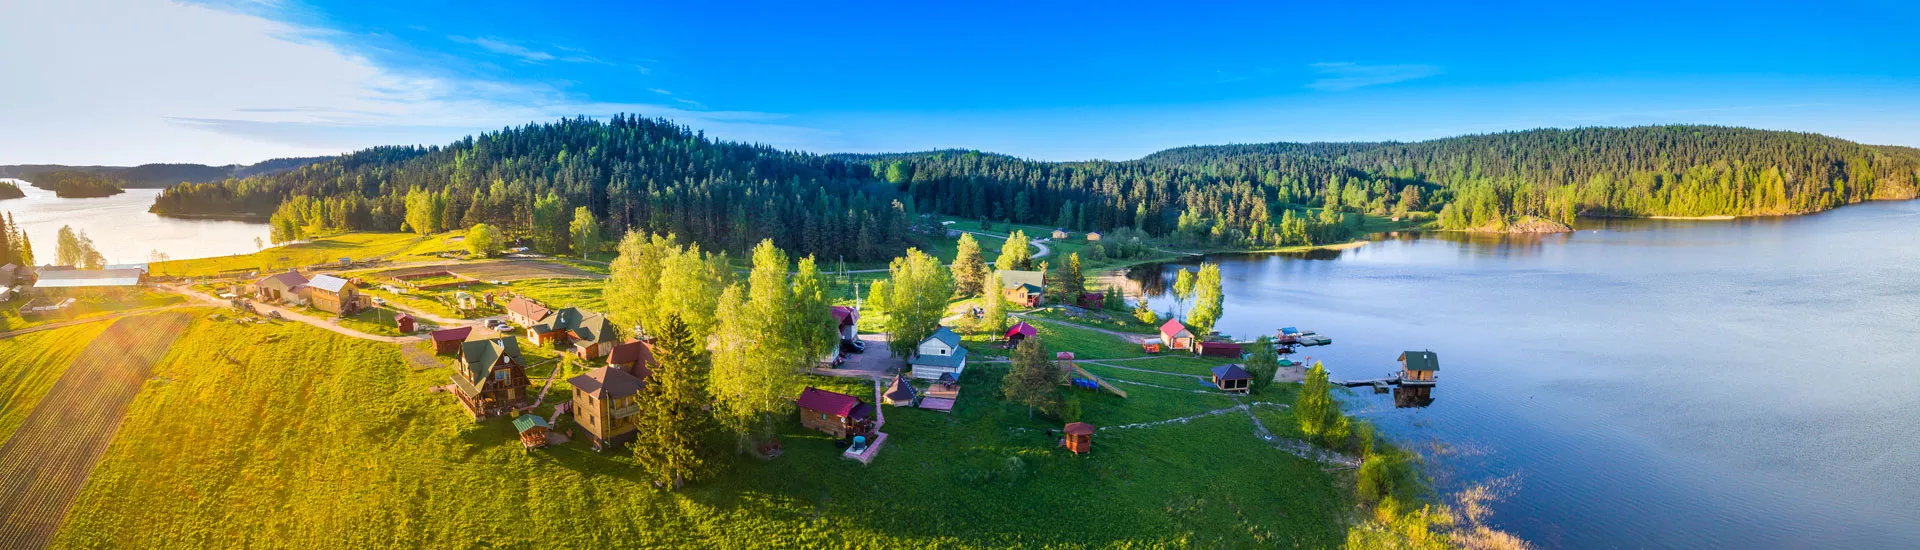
<point>1176,335</point>
<point>835,413</point>
<point>848,319</point>
<point>1020,331</point>
<point>635,357</point>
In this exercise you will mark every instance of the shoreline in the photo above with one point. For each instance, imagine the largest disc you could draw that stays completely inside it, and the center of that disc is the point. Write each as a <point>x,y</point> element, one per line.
<point>250,218</point>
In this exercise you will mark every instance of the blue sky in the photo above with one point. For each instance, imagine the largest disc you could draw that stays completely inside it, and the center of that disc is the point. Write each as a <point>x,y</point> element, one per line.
<point>129,81</point>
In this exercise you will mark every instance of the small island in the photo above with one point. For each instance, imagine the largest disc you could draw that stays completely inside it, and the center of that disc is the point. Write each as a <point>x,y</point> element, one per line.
<point>75,184</point>
<point>9,190</point>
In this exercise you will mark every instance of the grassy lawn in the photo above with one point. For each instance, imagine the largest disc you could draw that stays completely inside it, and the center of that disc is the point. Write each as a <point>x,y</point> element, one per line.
<point>558,293</point>
<point>285,435</point>
<point>31,363</point>
<point>1122,321</point>
<point>376,320</point>
<point>358,246</point>
<point>87,306</point>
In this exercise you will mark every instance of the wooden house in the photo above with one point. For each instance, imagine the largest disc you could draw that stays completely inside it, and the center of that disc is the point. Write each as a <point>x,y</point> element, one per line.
<point>1218,349</point>
<point>333,295</point>
<point>1175,335</point>
<point>1092,300</point>
<point>605,400</point>
<point>1060,233</point>
<point>938,354</point>
<point>900,393</point>
<point>1019,332</point>
<point>288,288</point>
<point>838,414</point>
<point>1024,288</point>
<point>404,322</point>
<point>635,357</point>
<point>847,322</point>
<point>1079,438</point>
<point>1093,235</point>
<point>1232,378</point>
<point>589,334</point>
<point>524,312</point>
<point>1417,368</point>
<point>448,341</point>
<point>490,379</point>
<point>533,430</point>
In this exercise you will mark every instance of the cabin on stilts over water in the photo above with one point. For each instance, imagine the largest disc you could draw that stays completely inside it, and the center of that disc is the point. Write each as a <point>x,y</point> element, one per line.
<point>1417,368</point>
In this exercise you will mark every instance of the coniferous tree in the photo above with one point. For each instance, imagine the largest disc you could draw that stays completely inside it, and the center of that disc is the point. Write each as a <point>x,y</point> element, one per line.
<point>673,421</point>
<point>1033,378</point>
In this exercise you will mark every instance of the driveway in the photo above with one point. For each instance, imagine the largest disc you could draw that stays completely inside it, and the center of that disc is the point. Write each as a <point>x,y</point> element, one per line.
<point>876,362</point>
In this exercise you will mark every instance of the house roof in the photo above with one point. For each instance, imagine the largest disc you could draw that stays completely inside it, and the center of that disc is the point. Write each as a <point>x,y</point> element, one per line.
<point>1014,278</point>
<point>834,403</point>
<point>283,282</point>
<point>1023,329</point>
<point>635,352</point>
<point>1032,289</point>
<point>607,383</point>
<point>1220,344</point>
<point>529,421</point>
<point>1173,328</point>
<point>593,328</point>
<point>862,411</point>
<point>900,390</point>
<point>958,358</point>
<point>945,336</point>
<point>1420,360</point>
<point>527,308</point>
<point>1231,372</point>
<point>452,334</point>
<point>328,283</point>
<point>82,278</point>
<point>844,315</point>
<point>1079,428</point>
<point>480,355</point>
<point>403,316</point>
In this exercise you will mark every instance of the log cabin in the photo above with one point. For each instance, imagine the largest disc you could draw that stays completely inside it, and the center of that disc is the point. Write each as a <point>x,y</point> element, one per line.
<point>834,413</point>
<point>447,341</point>
<point>605,401</point>
<point>490,379</point>
<point>334,295</point>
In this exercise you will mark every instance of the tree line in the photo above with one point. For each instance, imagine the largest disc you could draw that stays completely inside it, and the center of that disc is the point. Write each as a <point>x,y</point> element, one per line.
<point>9,190</point>
<point>76,184</point>
<point>15,248</point>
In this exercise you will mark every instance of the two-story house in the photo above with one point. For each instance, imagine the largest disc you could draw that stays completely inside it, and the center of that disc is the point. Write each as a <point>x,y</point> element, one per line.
<point>490,379</point>
<point>938,354</point>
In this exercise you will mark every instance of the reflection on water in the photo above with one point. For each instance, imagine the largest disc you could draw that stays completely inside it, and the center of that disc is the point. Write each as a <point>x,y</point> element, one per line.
<point>1649,383</point>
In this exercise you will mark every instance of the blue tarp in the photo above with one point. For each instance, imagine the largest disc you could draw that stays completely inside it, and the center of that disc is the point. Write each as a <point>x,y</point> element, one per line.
<point>1289,330</point>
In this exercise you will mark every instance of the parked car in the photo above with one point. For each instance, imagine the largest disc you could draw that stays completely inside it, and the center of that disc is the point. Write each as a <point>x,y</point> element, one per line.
<point>853,346</point>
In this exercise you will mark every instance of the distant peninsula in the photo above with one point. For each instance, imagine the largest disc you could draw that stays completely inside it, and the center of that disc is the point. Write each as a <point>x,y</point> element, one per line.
<point>72,184</point>
<point>10,191</point>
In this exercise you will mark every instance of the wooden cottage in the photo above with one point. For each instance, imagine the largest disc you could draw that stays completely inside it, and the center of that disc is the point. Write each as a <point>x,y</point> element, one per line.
<point>838,414</point>
<point>1020,331</point>
<point>404,322</point>
<point>334,295</point>
<point>589,334</point>
<point>1417,368</point>
<point>1024,288</point>
<point>490,379</point>
<point>605,400</point>
<point>846,321</point>
<point>533,430</point>
<point>1060,234</point>
<point>1079,438</point>
<point>286,288</point>
<point>1093,235</point>
<point>1175,335</point>
<point>448,341</point>
<point>1232,378</point>
<point>938,354</point>
<point>1218,349</point>
<point>524,312</point>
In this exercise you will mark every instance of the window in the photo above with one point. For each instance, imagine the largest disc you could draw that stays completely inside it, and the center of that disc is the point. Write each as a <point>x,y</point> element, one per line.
<point>500,375</point>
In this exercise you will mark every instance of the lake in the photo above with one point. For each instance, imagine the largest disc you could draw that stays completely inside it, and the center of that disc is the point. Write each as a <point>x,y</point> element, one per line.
<point>1639,383</point>
<point>123,230</point>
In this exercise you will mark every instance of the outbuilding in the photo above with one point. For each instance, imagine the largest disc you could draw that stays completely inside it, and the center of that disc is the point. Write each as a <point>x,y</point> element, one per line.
<point>1020,331</point>
<point>1232,378</point>
<point>834,413</point>
<point>1417,368</point>
<point>1079,438</point>
<point>533,430</point>
<point>448,341</point>
<point>1175,335</point>
<point>404,322</point>
<point>1218,349</point>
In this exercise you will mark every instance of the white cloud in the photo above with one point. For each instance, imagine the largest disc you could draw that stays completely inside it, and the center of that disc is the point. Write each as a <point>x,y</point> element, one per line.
<point>1342,76</point>
<point>134,81</point>
<point>503,47</point>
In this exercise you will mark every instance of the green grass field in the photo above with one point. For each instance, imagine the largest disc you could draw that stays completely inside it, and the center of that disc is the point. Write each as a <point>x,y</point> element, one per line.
<point>87,306</point>
<point>358,246</point>
<point>558,293</point>
<point>284,435</point>
<point>31,363</point>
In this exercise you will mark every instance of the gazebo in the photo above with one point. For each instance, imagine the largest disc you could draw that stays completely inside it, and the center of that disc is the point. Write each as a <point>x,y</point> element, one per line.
<point>533,430</point>
<point>900,393</point>
<point>1232,378</point>
<point>1020,331</point>
<point>1079,437</point>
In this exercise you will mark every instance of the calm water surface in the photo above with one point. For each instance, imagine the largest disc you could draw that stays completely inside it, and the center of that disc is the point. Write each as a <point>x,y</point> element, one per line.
<point>123,230</point>
<point>1744,384</point>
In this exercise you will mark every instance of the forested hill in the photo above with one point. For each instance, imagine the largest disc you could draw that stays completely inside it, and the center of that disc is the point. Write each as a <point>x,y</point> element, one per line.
<point>657,176</point>
<point>162,175</point>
